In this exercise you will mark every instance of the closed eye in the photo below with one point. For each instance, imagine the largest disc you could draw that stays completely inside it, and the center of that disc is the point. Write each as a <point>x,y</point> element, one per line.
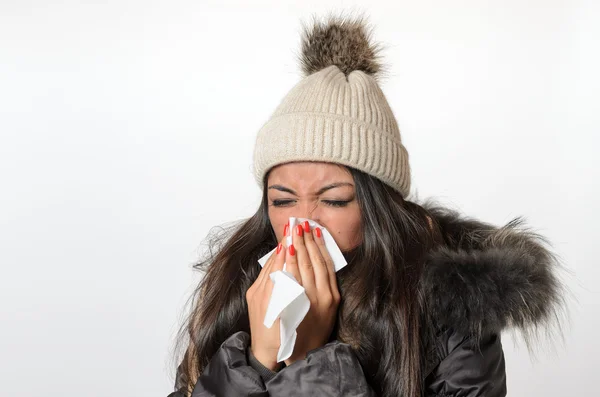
<point>332,203</point>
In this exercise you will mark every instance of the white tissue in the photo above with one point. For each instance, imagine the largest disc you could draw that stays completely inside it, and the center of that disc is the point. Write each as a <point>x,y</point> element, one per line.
<point>288,299</point>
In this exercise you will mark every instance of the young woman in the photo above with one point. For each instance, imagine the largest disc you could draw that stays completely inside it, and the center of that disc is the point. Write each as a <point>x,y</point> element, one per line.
<point>418,310</point>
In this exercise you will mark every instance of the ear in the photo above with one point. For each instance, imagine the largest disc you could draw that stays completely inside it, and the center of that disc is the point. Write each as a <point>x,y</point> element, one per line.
<point>430,222</point>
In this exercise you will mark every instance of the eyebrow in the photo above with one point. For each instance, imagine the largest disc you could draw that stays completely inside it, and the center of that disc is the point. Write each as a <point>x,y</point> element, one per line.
<point>322,190</point>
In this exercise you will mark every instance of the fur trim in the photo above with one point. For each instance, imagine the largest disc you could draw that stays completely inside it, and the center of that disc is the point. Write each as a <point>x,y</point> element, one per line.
<point>340,41</point>
<point>486,278</point>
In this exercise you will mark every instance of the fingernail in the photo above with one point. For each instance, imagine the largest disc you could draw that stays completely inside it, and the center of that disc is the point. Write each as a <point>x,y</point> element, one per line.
<point>299,230</point>
<point>292,250</point>
<point>279,247</point>
<point>286,229</point>
<point>318,230</point>
<point>306,227</point>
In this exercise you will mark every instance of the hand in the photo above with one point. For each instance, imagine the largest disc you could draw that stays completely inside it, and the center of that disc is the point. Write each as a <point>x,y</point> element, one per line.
<point>265,342</point>
<point>309,261</point>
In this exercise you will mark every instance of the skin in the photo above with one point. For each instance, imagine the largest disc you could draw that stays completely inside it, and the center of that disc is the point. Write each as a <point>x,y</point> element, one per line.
<point>298,189</point>
<point>305,179</point>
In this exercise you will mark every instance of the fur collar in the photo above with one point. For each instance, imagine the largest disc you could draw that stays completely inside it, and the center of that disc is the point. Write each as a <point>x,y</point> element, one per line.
<point>486,278</point>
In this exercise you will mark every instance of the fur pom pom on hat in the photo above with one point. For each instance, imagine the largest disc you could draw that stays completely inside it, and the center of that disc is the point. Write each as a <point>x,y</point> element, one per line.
<point>337,113</point>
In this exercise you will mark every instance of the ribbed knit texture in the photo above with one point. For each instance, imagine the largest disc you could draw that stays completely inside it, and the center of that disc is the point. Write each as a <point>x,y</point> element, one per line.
<point>326,117</point>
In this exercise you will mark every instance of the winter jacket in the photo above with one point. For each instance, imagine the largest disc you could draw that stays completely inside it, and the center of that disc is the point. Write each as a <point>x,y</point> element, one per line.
<point>482,281</point>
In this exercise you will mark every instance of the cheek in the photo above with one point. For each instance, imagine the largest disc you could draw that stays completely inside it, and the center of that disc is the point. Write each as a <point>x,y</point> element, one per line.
<point>347,230</point>
<point>354,233</point>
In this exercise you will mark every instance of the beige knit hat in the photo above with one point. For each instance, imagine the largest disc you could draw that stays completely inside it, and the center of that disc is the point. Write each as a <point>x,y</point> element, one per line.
<point>337,113</point>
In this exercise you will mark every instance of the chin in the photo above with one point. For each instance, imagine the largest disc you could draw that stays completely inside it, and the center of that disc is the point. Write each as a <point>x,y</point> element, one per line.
<point>349,254</point>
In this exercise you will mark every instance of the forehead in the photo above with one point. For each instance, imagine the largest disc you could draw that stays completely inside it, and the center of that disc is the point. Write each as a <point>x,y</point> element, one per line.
<point>308,175</point>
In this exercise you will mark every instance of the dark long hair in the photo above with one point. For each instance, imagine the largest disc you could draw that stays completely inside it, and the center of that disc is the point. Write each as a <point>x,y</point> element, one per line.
<point>380,313</point>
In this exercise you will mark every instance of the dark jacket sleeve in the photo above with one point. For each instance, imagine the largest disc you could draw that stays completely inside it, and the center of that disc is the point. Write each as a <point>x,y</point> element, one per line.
<point>470,368</point>
<point>229,373</point>
<point>331,370</point>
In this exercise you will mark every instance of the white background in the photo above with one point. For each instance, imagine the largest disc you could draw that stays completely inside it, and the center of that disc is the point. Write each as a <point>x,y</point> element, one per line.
<point>127,129</point>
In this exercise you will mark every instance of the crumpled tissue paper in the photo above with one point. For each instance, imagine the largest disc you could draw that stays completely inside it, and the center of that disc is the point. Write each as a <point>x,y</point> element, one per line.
<point>288,300</point>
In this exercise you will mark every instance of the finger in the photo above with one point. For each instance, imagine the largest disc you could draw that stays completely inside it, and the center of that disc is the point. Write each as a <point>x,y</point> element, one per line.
<point>266,288</point>
<point>265,268</point>
<point>273,264</point>
<point>304,263</point>
<point>329,265</point>
<point>279,259</point>
<point>319,265</point>
<point>257,284</point>
<point>291,260</point>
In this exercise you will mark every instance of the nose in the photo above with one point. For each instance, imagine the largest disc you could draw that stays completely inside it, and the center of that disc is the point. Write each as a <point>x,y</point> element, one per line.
<point>309,209</point>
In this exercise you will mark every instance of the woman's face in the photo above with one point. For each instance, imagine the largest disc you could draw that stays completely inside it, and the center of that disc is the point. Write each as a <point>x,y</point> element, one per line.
<point>323,192</point>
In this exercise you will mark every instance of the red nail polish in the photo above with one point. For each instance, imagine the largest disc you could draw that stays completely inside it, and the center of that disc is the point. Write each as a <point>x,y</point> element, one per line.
<point>318,232</point>
<point>292,250</point>
<point>279,247</point>
<point>306,227</point>
<point>299,230</point>
<point>286,229</point>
